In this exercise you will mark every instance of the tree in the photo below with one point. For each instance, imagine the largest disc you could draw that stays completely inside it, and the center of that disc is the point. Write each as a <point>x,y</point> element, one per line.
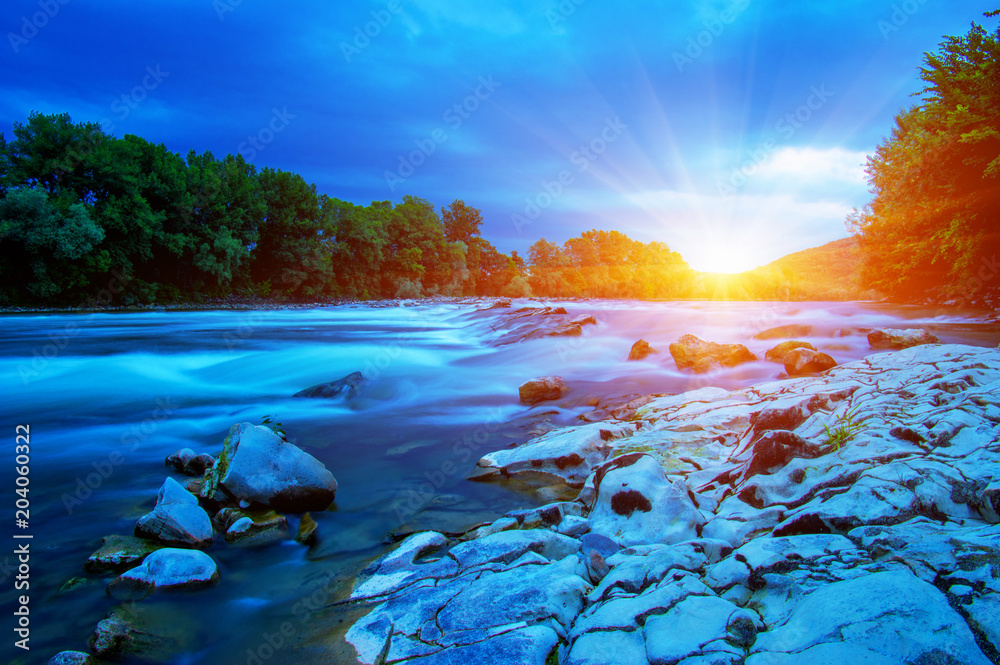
<point>461,222</point>
<point>42,246</point>
<point>932,229</point>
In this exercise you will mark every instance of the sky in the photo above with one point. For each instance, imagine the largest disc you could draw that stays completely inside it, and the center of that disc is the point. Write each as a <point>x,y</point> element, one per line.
<point>735,131</point>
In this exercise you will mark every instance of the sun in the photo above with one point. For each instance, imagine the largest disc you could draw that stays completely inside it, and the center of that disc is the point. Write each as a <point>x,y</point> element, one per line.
<point>721,258</point>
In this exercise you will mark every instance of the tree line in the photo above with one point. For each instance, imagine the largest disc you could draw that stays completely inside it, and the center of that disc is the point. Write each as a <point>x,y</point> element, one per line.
<point>79,206</point>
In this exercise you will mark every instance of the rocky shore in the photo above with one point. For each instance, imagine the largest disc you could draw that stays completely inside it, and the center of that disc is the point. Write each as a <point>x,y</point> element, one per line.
<point>850,516</point>
<point>845,513</point>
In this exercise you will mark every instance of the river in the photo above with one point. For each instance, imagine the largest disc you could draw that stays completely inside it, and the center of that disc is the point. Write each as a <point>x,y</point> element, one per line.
<point>109,395</point>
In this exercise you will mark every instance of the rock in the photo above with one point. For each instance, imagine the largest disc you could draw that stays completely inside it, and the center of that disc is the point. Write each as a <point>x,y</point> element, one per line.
<point>177,460</point>
<point>792,330</point>
<point>542,389</point>
<point>123,635</point>
<point>406,565</point>
<point>778,353</point>
<point>573,526</point>
<point>799,362</point>
<point>641,350</point>
<point>699,356</point>
<point>189,463</point>
<point>568,455</point>
<point>885,338</point>
<point>258,529</point>
<point>892,614</point>
<point>168,568</point>
<point>306,534</point>
<point>256,465</point>
<point>701,626</point>
<point>775,449</point>
<point>616,647</point>
<point>508,546</point>
<point>119,553</point>
<point>346,387</point>
<point>177,519</point>
<point>437,621</point>
<point>540,322</point>
<point>73,658</point>
<point>636,503</point>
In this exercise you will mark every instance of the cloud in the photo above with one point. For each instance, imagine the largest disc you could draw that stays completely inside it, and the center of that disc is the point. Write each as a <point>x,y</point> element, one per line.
<point>811,165</point>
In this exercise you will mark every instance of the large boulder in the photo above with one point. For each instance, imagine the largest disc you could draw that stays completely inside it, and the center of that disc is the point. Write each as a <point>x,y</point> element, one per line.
<point>346,387</point>
<point>699,356</point>
<point>257,466</point>
<point>800,362</point>
<point>177,519</point>
<point>637,503</point>
<point>778,353</point>
<point>640,350</point>
<point>542,389</point>
<point>886,338</point>
<point>168,568</point>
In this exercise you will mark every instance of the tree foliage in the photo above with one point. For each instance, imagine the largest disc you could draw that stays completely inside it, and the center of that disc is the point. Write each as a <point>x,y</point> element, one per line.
<point>932,230</point>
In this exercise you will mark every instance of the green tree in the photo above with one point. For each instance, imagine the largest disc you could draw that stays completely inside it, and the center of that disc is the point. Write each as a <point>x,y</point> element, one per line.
<point>932,229</point>
<point>41,246</point>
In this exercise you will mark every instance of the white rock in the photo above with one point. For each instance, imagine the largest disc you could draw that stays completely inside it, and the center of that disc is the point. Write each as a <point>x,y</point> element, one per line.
<point>893,614</point>
<point>177,519</point>
<point>167,568</point>
<point>257,466</point>
<point>637,504</point>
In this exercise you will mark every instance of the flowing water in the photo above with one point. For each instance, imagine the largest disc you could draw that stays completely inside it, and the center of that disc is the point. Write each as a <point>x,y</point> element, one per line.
<point>109,395</point>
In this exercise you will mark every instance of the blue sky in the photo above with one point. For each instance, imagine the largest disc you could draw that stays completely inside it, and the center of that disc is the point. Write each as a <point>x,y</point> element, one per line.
<point>553,117</point>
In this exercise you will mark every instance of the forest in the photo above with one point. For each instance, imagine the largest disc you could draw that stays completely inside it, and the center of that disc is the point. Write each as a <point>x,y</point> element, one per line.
<point>81,208</point>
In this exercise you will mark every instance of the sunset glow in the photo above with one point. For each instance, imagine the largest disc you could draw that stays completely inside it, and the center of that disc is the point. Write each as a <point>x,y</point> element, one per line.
<point>724,259</point>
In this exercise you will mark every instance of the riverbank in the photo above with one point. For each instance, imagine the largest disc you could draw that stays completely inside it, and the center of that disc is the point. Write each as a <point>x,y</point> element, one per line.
<point>846,517</point>
<point>440,392</point>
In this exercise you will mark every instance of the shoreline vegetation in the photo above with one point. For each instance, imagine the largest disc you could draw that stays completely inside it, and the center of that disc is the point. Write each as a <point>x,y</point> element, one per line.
<point>80,208</point>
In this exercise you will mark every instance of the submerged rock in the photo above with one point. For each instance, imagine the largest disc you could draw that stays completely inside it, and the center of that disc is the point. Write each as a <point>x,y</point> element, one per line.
<point>778,353</point>
<point>345,387</point>
<point>641,350</point>
<point>799,362</point>
<point>885,338</point>
<point>256,528</point>
<point>177,518</point>
<point>699,356</point>
<point>257,466</point>
<point>540,322</point>
<point>73,658</point>
<point>786,332</point>
<point>124,635</point>
<point>119,553</point>
<point>542,389</point>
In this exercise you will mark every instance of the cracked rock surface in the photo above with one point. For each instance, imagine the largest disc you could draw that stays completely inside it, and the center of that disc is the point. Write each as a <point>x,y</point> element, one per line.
<point>848,517</point>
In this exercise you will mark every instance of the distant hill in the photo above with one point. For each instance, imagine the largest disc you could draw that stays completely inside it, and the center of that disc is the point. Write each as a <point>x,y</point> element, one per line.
<point>828,272</point>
